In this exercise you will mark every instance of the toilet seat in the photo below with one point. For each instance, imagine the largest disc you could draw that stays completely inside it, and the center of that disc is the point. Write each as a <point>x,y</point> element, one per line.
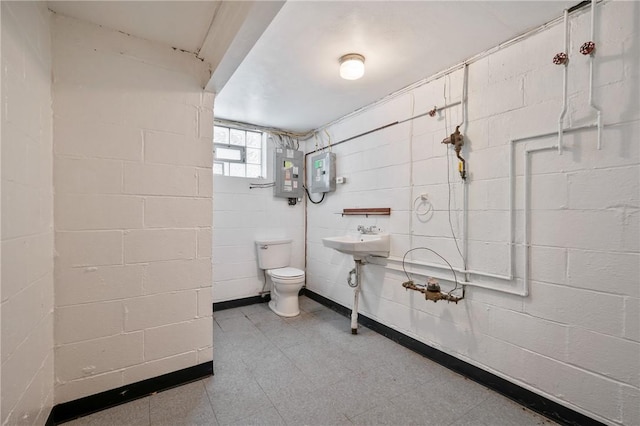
<point>286,274</point>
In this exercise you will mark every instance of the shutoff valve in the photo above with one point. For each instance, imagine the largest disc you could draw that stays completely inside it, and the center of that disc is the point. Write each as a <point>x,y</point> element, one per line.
<point>457,140</point>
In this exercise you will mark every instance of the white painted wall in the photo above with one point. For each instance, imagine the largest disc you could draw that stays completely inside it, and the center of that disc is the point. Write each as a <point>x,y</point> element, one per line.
<point>242,215</point>
<point>575,339</point>
<point>133,209</point>
<point>27,215</point>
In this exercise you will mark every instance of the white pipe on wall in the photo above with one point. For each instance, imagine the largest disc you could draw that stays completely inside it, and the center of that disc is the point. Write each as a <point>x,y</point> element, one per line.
<point>512,208</point>
<point>465,228</point>
<point>411,187</point>
<point>465,184</point>
<point>565,72</point>
<point>440,266</point>
<point>524,291</point>
<point>591,59</point>
<point>527,217</point>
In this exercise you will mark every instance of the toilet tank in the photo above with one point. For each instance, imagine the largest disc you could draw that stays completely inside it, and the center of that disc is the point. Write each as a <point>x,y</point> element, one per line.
<point>274,253</point>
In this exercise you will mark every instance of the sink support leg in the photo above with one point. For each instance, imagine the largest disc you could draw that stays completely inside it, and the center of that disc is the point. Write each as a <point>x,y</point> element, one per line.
<point>356,291</point>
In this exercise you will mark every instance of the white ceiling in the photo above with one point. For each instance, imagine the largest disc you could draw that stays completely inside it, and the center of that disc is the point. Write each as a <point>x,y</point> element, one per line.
<point>290,78</point>
<point>283,71</point>
<point>220,32</point>
<point>181,24</point>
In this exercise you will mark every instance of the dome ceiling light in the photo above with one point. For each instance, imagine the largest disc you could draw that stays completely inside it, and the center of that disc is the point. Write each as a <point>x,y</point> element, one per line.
<point>351,66</point>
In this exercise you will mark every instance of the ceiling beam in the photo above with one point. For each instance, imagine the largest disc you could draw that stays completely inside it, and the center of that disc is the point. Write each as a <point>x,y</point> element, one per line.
<point>234,30</point>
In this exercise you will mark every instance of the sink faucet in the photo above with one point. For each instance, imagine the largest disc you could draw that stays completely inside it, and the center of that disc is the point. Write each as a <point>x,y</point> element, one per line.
<point>368,230</point>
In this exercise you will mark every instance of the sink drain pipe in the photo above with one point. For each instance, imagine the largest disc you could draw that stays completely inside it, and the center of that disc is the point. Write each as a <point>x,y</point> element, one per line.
<point>354,281</point>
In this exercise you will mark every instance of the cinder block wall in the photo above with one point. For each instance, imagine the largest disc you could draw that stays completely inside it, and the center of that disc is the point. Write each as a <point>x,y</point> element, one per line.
<point>242,216</point>
<point>575,338</point>
<point>27,215</point>
<point>133,209</point>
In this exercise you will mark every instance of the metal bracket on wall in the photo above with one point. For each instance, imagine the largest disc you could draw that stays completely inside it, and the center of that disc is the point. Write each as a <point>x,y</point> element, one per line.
<point>381,211</point>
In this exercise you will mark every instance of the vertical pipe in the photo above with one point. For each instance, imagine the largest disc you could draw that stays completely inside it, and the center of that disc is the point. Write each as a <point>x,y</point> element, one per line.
<point>411,196</point>
<point>591,59</point>
<point>465,184</point>
<point>465,227</point>
<point>512,208</point>
<point>527,215</point>
<point>592,105</point>
<point>527,226</point>
<point>564,81</point>
<point>356,290</point>
<point>598,112</point>
<point>593,19</point>
<point>463,99</point>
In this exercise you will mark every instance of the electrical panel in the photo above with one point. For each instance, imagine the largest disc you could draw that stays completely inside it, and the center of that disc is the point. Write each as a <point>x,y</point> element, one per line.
<point>323,172</point>
<point>288,173</point>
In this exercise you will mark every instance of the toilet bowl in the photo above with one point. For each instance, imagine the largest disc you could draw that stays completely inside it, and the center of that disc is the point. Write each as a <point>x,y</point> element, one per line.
<point>285,285</point>
<point>286,282</point>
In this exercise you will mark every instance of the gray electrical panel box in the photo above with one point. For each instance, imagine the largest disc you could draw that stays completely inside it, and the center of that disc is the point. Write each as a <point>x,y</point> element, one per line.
<point>288,173</point>
<point>323,172</point>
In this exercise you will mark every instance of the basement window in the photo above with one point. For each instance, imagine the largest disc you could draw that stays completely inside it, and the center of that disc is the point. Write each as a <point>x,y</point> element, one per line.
<point>237,152</point>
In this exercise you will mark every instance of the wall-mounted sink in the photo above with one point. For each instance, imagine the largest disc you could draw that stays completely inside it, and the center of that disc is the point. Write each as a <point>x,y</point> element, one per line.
<point>360,246</point>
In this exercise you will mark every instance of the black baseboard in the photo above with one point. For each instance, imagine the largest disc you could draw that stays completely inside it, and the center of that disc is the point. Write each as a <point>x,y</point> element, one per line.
<point>525,397</point>
<point>229,304</point>
<point>50,421</point>
<point>90,404</point>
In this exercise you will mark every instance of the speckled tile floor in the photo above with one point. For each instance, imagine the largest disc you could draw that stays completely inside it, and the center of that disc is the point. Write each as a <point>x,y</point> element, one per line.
<point>310,370</point>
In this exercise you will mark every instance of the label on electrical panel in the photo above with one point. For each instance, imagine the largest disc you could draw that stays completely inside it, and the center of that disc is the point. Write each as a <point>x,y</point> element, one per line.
<point>290,153</point>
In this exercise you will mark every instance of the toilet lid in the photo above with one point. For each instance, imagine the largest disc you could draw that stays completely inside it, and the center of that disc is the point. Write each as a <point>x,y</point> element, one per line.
<point>286,273</point>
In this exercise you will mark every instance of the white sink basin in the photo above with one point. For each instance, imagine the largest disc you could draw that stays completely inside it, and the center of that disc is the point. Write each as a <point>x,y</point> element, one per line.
<point>360,246</point>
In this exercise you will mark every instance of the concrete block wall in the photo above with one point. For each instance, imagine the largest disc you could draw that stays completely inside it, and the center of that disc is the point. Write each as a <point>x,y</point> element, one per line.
<point>27,215</point>
<point>242,215</point>
<point>575,339</point>
<point>133,209</point>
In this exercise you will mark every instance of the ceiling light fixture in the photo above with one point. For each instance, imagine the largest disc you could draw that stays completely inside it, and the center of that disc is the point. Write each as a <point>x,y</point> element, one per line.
<point>351,66</point>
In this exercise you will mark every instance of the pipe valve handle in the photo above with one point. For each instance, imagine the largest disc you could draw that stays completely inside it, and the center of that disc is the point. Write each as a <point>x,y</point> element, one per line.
<point>588,48</point>
<point>560,58</point>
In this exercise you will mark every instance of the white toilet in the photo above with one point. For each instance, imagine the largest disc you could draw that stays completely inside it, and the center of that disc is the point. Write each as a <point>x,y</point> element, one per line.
<point>286,282</point>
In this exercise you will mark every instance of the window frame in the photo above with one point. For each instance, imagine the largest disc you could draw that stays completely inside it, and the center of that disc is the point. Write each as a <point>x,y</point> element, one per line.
<point>242,149</point>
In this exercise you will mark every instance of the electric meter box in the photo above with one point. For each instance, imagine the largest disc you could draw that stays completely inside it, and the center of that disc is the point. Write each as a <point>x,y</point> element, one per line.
<point>323,172</point>
<point>288,173</point>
